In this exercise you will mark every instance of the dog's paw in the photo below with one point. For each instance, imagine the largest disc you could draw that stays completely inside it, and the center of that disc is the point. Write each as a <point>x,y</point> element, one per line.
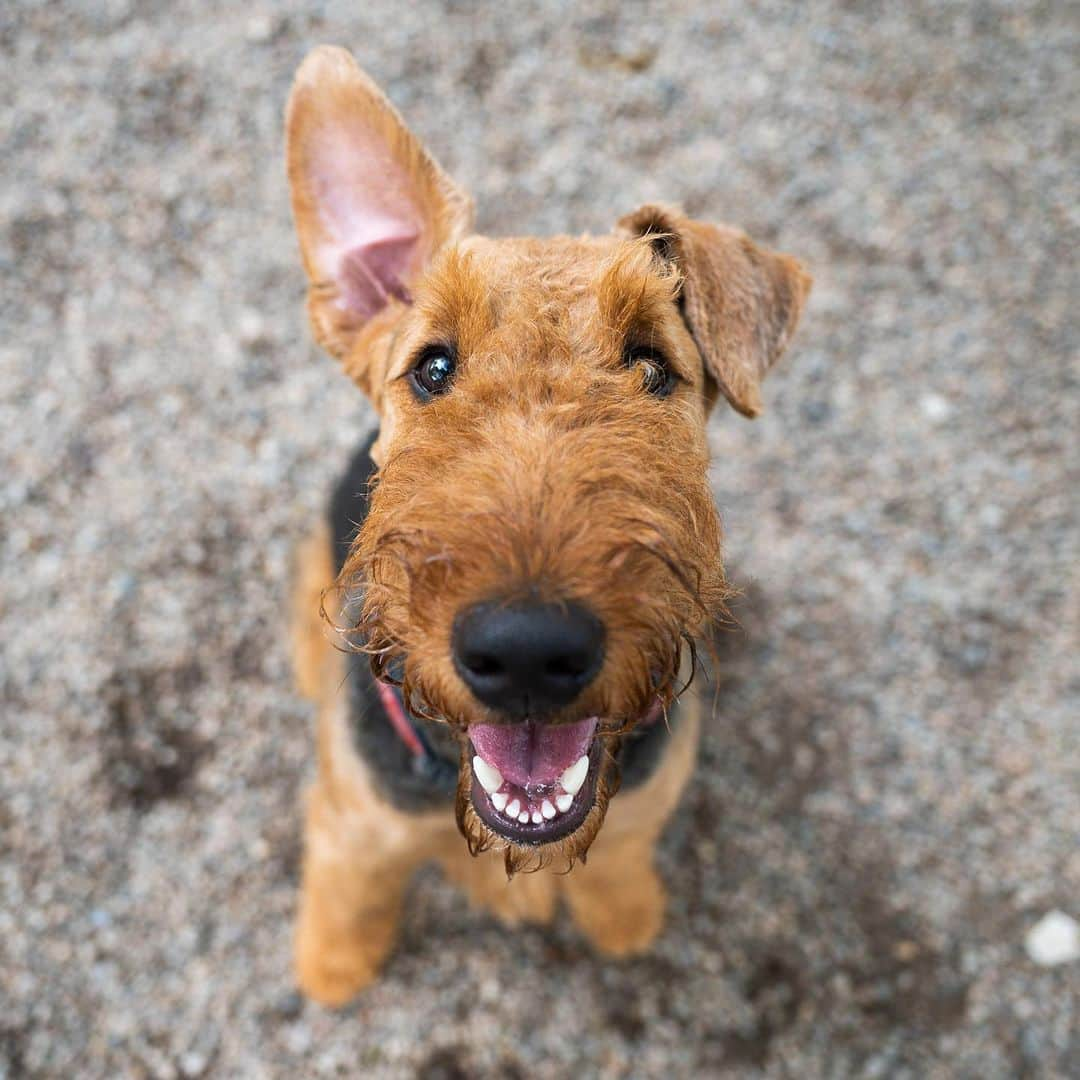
<point>515,902</point>
<point>527,898</point>
<point>333,977</point>
<point>335,960</point>
<point>623,921</point>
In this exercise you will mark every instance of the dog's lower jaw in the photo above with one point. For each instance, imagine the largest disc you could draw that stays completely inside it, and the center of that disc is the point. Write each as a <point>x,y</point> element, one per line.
<point>539,792</point>
<point>560,853</point>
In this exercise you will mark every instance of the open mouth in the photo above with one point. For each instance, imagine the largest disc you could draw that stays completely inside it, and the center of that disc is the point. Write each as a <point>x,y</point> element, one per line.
<point>534,783</point>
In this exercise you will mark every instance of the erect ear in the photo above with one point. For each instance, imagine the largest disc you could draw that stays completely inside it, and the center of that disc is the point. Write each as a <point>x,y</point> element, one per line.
<point>371,205</point>
<point>740,302</point>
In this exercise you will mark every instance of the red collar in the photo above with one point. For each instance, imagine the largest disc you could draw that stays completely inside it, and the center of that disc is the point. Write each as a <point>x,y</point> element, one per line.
<point>394,706</point>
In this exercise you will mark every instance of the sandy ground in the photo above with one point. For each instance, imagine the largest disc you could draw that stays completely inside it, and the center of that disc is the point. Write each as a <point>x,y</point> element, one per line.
<point>889,794</point>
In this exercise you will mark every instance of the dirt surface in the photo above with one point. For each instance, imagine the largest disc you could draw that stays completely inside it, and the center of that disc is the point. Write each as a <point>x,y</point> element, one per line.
<point>889,795</point>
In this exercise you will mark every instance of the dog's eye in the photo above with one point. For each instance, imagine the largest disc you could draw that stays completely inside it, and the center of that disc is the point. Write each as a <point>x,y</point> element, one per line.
<point>656,377</point>
<point>434,371</point>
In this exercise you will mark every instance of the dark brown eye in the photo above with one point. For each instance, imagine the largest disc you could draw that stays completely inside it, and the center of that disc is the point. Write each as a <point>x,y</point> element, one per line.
<point>656,377</point>
<point>434,371</point>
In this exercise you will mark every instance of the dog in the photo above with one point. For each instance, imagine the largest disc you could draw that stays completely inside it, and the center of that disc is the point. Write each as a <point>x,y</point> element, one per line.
<point>497,619</point>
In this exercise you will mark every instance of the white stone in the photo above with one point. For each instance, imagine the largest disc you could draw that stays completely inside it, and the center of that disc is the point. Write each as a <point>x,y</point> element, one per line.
<point>1053,940</point>
<point>935,408</point>
<point>260,29</point>
<point>250,327</point>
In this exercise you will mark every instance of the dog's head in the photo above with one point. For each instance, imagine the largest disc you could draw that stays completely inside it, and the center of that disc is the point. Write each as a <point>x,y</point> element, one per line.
<point>542,541</point>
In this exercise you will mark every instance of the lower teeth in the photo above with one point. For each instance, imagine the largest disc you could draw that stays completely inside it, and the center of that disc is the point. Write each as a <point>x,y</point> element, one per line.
<point>519,807</point>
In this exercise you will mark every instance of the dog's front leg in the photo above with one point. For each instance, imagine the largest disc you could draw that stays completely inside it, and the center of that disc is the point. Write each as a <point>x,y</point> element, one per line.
<point>617,898</point>
<point>355,873</point>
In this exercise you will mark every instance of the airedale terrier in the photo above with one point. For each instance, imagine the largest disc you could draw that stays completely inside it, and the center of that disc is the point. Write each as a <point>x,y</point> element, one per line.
<point>499,614</point>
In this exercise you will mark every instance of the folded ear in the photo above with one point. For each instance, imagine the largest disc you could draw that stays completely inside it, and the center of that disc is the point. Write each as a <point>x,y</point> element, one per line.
<point>740,302</point>
<point>371,205</point>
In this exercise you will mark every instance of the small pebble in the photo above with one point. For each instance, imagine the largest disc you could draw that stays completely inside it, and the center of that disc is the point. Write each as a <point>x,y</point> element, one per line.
<point>260,29</point>
<point>1053,940</point>
<point>250,327</point>
<point>935,408</point>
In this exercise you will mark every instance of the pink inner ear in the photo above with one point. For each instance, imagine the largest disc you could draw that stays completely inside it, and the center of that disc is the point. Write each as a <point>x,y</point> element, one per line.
<point>372,225</point>
<point>371,275</point>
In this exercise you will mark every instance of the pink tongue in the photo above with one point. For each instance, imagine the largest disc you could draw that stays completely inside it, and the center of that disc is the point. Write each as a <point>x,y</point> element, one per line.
<point>532,754</point>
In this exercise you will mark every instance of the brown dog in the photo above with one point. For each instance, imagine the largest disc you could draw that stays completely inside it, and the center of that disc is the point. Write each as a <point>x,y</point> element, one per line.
<point>540,548</point>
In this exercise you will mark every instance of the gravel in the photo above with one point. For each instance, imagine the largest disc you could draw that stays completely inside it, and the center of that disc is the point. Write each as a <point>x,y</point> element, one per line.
<point>889,796</point>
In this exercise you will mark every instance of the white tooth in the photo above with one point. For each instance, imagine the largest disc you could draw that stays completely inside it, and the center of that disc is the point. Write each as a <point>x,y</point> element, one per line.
<point>513,809</point>
<point>547,809</point>
<point>563,802</point>
<point>490,778</point>
<point>536,818</point>
<point>498,800</point>
<point>523,817</point>
<point>574,777</point>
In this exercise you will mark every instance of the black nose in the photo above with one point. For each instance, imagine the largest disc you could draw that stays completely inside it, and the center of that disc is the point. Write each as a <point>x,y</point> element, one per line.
<point>527,658</point>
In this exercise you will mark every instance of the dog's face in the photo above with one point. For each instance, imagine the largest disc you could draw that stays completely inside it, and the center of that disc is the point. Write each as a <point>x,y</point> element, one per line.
<point>542,542</point>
